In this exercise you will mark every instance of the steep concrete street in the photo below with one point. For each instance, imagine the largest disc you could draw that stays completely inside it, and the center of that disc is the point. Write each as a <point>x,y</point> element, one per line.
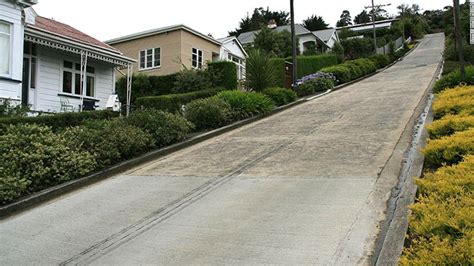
<point>306,186</point>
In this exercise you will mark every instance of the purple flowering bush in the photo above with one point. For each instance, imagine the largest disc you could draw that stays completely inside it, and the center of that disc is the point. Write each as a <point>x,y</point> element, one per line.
<point>317,82</point>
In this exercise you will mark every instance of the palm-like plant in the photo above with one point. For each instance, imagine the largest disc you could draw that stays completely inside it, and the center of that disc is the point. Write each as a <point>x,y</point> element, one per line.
<point>259,70</point>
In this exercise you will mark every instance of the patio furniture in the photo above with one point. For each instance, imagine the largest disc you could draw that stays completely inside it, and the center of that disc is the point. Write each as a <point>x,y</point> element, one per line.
<point>66,106</point>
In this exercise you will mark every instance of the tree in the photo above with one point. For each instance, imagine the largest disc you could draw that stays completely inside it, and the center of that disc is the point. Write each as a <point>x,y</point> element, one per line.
<point>259,70</point>
<point>314,23</point>
<point>362,18</point>
<point>380,13</point>
<point>345,19</point>
<point>273,42</point>
<point>260,17</point>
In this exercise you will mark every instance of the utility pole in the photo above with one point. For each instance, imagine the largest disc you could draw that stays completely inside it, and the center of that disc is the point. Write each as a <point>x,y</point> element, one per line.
<point>373,21</point>
<point>293,39</point>
<point>459,40</point>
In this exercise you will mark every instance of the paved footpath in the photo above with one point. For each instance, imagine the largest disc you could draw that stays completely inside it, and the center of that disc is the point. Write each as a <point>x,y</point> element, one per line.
<point>306,186</point>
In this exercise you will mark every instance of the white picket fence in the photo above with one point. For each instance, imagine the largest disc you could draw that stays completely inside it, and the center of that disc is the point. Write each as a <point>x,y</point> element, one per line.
<point>386,49</point>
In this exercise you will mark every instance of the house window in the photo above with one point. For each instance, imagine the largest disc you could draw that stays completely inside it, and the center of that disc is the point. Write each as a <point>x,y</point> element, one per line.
<point>197,58</point>
<point>30,52</point>
<point>5,48</point>
<point>150,58</point>
<point>72,79</point>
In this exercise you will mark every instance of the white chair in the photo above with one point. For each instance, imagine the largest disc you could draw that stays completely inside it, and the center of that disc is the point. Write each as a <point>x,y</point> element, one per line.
<point>66,106</point>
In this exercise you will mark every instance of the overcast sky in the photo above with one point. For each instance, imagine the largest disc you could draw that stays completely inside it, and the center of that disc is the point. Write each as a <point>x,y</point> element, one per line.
<point>107,19</point>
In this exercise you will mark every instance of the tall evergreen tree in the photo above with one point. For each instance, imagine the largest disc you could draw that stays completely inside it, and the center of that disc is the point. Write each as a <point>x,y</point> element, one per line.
<point>260,17</point>
<point>363,17</point>
<point>345,19</point>
<point>314,23</point>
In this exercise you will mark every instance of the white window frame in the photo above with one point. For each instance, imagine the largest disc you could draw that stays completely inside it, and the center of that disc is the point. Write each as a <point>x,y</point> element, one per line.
<point>199,63</point>
<point>28,53</point>
<point>74,72</point>
<point>10,52</point>
<point>154,60</point>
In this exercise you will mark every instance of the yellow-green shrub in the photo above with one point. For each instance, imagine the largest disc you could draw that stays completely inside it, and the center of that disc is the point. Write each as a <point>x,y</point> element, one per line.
<point>442,221</point>
<point>449,125</point>
<point>459,100</point>
<point>449,150</point>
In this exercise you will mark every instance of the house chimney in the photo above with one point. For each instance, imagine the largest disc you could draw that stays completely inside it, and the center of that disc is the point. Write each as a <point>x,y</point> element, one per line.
<point>272,24</point>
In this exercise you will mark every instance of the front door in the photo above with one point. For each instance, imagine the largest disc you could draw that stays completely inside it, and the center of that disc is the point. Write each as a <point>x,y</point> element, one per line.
<point>26,82</point>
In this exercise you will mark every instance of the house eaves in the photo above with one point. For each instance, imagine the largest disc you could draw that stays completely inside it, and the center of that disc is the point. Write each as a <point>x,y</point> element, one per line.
<point>162,30</point>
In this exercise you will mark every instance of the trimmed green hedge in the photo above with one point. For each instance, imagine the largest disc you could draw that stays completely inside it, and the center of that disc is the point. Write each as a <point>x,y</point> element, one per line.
<point>381,60</point>
<point>144,85</point>
<point>278,65</point>
<point>342,73</point>
<point>280,96</point>
<point>246,104</point>
<point>173,102</point>
<point>59,121</point>
<point>453,79</point>
<point>312,64</point>
<point>227,72</point>
<point>351,70</point>
<point>315,85</point>
<point>207,113</point>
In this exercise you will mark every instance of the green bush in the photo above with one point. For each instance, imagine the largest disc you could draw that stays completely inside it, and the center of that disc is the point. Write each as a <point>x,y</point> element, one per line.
<point>207,113</point>
<point>280,96</point>
<point>260,71</point>
<point>278,65</point>
<point>311,64</point>
<point>356,71</point>
<point>190,80</point>
<point>341,72</point>
<point>449,125</point>
<point>165,128</point>
<point>314,85</point>
<point>173,102</point>
<point>246,104</point>
<point>366,65</point>
<point>453,79</point>
<point>58,121</point>
<point>449,150</point>
<point>228,74</point>
<point>356,48</point>
<point>381,60</point>
<point>109,141</point>
<point>33,158</point>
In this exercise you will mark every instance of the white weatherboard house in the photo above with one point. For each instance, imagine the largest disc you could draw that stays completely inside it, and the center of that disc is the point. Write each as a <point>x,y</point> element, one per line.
<point>51,66</point>
<point>232,50</point>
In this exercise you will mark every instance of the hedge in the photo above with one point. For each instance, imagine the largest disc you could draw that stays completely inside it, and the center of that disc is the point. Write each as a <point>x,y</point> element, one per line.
<point>227,72</point>
<point>453,79</point>
<point>208,113</point>
<point>173,102</point>
<point>342,73</point>
<point>381,60</point>
<point>280,96</point>
<point>449,125</point>
<point>314,85</point>
<point>144,85</point>
<point>306,65</point>
<point>441,224</point>
<point>246,104</point>
<point>58,121</point>
<point>455,101</point>
<point>449,150</point>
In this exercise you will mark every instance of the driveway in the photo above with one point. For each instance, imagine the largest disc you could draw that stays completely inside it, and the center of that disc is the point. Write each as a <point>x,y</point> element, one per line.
<point>306,186</point>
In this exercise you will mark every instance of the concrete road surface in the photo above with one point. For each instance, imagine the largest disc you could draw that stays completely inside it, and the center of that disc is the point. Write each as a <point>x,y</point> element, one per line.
<point>306,186</point>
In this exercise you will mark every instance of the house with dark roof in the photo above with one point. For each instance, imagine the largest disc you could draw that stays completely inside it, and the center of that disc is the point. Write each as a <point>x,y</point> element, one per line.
<point>232,50</point>
<point>328,36</point>
<point>307,39</point>
<point>51,66</point>
<point>167,50</point>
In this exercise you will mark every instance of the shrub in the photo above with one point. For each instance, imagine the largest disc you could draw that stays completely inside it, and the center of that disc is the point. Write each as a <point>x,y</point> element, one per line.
<point>228,74</point>
<point>311,64</point>
<point>260,72</point>
<point>58,121</point>
<point>356,71</point>
<point>314,85</point>
<point>441,224</point>
<point>449,125</point>
<point>33,157</point>
<point>110,142</point>
<point>173,102</point>
<point>355,48</point>
<point>454,101</point>
<point>190,80</point>
<point>449,150</point>
<point>7,109</point>
<point>280,96</point>
<point>341,72</point>
<point>207,113</point>
<point>246,104</point>
<point>366,65</point>
<point>380,60</point>
<point>165,128</point>
<point>453,79</point>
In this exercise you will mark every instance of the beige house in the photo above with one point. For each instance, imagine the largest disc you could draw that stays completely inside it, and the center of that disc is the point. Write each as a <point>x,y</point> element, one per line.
<point>168,50</point>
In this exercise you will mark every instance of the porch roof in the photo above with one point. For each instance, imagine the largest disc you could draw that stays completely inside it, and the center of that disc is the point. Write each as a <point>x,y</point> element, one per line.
<point>60,36</point>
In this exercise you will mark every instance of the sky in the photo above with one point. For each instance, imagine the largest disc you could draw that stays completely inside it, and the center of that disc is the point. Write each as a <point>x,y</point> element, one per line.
<point>107,19</point>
